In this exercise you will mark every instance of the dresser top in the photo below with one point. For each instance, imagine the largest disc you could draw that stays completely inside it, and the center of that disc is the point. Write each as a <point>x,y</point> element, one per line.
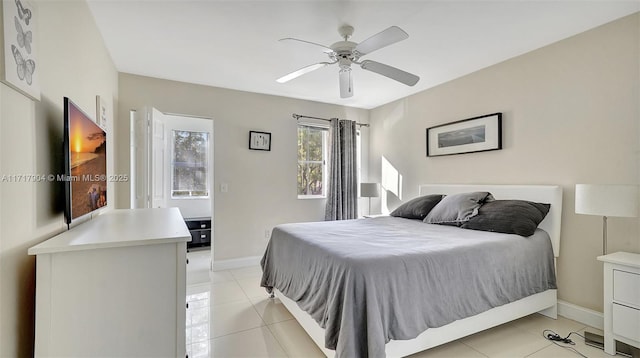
<point>117,228</point>
<point>622,258</point>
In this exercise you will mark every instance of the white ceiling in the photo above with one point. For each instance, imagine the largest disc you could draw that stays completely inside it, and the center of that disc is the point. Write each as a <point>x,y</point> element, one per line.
<point>234,44</point>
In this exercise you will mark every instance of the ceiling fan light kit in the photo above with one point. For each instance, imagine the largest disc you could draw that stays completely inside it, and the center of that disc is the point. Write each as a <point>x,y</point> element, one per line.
<point>345,53</point>
<point>346,83</point>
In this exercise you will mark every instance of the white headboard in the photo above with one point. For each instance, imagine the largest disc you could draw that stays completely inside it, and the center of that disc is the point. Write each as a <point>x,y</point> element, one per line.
<point>550,194</point>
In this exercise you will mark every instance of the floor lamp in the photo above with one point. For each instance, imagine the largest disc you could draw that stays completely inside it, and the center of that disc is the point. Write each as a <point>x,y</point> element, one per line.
<point>605,201</point>
<point>369,190</point>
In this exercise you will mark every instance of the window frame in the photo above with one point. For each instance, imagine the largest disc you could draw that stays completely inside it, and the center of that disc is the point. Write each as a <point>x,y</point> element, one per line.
<point>325,154</point>
<point>206,166</point>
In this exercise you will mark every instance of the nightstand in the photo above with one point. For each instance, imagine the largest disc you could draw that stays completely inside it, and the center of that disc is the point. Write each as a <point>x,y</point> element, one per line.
<point>621,300</point>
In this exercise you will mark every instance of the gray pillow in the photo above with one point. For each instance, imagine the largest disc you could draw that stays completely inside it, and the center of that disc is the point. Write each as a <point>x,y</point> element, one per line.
<point>417,208</point>
<point>509,216</point>
<point>457,209</point>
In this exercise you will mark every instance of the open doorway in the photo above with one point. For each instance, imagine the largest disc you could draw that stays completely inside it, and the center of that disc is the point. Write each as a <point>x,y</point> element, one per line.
<point>172,166</point>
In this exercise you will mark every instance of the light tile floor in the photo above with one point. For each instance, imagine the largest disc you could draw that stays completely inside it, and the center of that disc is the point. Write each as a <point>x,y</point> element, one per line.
<point>229,315</point>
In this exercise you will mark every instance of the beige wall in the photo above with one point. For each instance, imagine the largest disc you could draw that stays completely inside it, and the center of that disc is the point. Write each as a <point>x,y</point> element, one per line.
<point>261,185</point>
<point>570,115</point>
<point>73,62</point>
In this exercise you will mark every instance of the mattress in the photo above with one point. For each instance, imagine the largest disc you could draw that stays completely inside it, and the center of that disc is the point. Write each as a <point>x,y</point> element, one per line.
<point>368,281</point>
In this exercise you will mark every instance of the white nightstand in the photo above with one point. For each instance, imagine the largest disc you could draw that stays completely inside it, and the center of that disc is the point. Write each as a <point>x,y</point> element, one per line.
<point>621,299</point>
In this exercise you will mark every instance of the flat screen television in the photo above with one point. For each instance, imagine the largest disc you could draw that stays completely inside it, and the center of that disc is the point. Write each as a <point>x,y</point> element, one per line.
<point>85,163</point>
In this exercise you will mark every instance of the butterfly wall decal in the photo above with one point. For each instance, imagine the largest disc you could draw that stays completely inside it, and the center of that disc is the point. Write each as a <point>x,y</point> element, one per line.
<point>25,68</point>
<point>25,14</point>
<point>24,38</point>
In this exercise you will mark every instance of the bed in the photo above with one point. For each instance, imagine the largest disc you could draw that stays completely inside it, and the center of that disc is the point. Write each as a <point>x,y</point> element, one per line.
<point>369,287</point>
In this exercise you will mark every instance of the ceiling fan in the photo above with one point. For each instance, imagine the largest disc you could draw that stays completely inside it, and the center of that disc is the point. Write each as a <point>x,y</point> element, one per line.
<point>345,53</point>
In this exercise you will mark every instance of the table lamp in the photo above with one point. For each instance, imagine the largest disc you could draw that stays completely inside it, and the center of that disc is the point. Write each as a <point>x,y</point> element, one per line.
<point>605,201</point>
<point>369,190</point>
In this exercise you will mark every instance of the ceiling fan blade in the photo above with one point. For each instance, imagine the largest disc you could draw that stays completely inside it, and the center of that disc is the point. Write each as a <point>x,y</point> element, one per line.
<point>384,38</point>
<point>407,78</point>
<point>301,72</point>
<point>325,49</point>
<point>346,83</point>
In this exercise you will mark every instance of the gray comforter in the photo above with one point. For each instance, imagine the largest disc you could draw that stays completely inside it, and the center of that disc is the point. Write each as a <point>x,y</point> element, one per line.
<point>369,281</point>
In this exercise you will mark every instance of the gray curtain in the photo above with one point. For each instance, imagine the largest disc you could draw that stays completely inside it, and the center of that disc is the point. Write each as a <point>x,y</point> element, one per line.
<point>342,190</point>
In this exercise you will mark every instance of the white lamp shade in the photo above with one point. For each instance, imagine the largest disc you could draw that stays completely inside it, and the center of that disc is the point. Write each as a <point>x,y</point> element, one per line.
<point>607,200</point>
<point>369,190</point>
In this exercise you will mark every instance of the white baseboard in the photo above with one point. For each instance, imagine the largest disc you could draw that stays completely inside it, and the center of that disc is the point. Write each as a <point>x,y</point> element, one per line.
<point>221,265</point>
<point>583,315</point>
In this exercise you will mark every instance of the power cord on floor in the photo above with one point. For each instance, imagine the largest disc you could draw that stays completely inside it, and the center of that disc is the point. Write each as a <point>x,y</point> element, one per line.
<point>555,338</point>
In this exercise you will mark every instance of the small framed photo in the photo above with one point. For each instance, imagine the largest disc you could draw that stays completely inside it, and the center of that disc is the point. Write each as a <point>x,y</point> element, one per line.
<point>259,140</point>
<point>102,112</point>
<point>477,134</point>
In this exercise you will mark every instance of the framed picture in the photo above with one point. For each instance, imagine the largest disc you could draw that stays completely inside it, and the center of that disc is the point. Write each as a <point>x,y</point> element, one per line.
<point>477,134</point>
<point>20,47</point>
<point>103,112</point>
<point>259,140</point>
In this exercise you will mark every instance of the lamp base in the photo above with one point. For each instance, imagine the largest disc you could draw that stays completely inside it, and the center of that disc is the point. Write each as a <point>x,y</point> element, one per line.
<point>596,340</point>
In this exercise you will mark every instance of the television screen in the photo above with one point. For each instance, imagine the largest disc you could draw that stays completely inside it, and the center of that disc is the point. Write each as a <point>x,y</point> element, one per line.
<point>85,146</point>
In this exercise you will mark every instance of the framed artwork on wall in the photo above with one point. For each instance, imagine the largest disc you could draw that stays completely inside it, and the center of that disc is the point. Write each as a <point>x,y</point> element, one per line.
<point>103,112</point>
<point>19,46</point>
<point>477,134</point>
<point>259,140</point>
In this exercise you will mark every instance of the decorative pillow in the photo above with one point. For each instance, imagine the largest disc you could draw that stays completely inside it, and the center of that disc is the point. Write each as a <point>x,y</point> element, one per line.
<point>509,217</point>
<point>417,208</point>
<point>457,209</point>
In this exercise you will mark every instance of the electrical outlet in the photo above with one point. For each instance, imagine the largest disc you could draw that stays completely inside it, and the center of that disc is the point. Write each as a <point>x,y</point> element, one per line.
<point>267,233</point>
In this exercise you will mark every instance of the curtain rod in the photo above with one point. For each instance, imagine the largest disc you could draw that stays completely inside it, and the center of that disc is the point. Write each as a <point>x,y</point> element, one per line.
<point>298,116</point>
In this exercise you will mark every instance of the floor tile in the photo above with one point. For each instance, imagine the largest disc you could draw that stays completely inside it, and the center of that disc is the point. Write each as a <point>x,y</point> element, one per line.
<point>198,291</point>
<point>537,323</point>
<point>507,341</point>
<point>450,350</point>
<point>251,287</point>
<point>558,350</point>
<point>226,292</point>
<point>254,343</point>
<point>199,350</point>
<point>199,260</point>
<point>221,276</point>
<point>271,309</point>
<point>198,315</point>
<point>245,272</point>
<point>197,277</point>
<point>198,269</point>
<point>233,317</point>
<point>584,349</point>
<point>295,340</point>
<point>230,315</point>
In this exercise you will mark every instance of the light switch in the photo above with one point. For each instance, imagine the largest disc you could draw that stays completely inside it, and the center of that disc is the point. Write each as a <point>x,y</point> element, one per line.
<point>224,187</point>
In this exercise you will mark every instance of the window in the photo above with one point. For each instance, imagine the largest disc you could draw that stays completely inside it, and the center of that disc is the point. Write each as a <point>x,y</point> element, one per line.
<point>312,165</point>
<point>189,165</point>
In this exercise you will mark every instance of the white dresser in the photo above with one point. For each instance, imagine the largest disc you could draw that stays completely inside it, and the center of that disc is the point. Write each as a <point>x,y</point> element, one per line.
<point>621,299</point>
<point>114,286</point>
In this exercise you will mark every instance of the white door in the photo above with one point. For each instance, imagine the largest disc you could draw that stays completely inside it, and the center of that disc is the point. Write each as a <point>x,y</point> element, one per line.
<point>139,159</point>
<point>148,158</point>
<point>159,160</point>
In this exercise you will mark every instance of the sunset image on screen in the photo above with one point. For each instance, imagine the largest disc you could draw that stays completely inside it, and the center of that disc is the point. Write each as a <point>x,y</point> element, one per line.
<point>87,144</point>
